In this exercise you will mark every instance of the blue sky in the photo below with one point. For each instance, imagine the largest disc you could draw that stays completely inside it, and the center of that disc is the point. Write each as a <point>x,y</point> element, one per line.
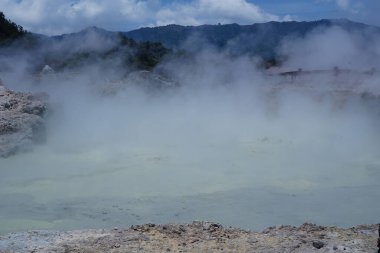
<point>366,11</point>
<point>64,16</point>
<point>303,9</point>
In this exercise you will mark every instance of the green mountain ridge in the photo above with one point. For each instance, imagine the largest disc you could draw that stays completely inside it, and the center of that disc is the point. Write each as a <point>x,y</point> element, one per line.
<point>9,30</point>
<point>76,50</point>
<point>260,39</point>
<point>144,48</point>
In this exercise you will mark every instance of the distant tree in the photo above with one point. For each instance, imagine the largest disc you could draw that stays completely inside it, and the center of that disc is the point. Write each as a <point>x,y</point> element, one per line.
<point>149,54</point>
<point>125,41</point>
<point>9,30</point>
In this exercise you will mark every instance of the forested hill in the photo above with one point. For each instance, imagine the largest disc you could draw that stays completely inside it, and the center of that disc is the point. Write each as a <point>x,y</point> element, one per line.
<point>75,50</point>
<point>145,47</point>
<point>9,31</point>
<point>260,39</point>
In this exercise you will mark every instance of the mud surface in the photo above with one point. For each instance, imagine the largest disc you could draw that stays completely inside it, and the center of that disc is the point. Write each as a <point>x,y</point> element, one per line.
<point>197,237</point>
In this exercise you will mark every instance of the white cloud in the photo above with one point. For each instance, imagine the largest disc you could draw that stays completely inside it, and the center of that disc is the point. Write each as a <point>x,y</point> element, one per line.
<point>349,6</point>
<point>87,8</point>
<point>25,11</point>
<point>212,12</point>
<point>60,16</point>
<point>343,4</point>
<point>365,11</point>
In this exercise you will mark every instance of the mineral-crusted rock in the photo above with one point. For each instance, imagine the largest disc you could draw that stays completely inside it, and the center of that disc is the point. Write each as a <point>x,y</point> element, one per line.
<point>197,237</point>
<point>47,70</point>
<point>21,121</point>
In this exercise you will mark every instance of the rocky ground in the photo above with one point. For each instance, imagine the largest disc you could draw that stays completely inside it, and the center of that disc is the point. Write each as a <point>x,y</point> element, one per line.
<point>197,237</point>
<point>21,120</point>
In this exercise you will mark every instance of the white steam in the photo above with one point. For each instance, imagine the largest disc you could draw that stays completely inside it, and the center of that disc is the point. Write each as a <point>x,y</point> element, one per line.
<point>333,47</point>
<point>226,128</point>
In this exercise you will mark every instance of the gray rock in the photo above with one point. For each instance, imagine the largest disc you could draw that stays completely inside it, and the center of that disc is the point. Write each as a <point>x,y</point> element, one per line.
<point>378,241</point>
<point>21,121</point>
<point>196,237</point>
<point>318,244</point>
<point>47,70</point>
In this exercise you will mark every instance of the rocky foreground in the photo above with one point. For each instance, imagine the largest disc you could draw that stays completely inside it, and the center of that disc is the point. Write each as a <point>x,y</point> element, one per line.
<point>197,237</point>
<point>21,120</point>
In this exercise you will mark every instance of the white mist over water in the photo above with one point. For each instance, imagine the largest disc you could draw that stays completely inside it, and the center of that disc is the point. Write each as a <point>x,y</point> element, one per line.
<point>229,145</point>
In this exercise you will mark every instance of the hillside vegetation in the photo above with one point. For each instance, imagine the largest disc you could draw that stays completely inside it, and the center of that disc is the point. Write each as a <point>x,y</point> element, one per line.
<point>9,30</point>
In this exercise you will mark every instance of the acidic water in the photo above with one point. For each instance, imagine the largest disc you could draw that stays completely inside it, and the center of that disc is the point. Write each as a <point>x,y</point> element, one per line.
<point>232,157</point>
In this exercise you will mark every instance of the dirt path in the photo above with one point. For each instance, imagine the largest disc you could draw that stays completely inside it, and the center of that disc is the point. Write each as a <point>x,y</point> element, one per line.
<point>196,237</point>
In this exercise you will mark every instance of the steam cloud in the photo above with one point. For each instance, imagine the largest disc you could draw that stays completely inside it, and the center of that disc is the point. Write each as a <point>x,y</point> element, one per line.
<point>227,126</point>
